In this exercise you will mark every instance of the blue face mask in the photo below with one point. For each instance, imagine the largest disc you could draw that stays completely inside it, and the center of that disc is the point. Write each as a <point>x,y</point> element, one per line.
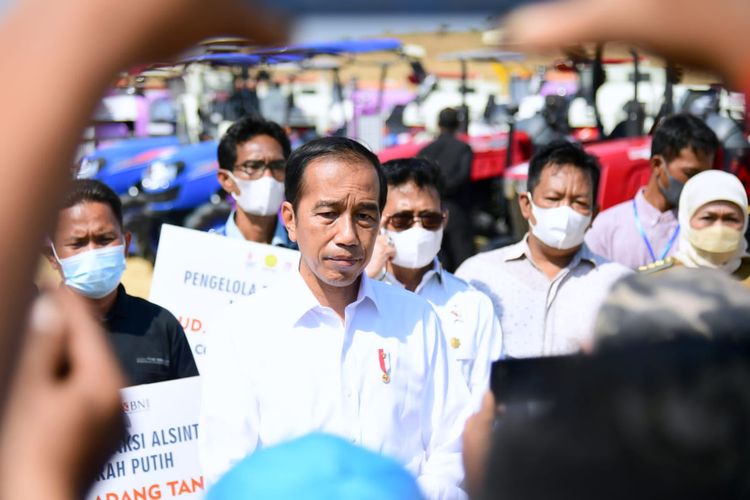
<point>94,273</point>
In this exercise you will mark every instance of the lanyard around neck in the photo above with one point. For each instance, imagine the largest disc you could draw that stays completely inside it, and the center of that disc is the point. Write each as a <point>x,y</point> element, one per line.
<point>645,238</point>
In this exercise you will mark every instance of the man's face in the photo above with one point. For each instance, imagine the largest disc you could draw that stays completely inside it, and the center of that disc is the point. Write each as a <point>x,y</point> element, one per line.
<point>408,199</point>
<point>683,166</point>
<point>336,220</point>
<point>253,159</point>
<point>561,185</point>
<point>86,226</point>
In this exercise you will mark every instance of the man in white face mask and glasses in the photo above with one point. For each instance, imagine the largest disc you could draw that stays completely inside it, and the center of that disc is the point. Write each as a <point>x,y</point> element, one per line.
<point>547,288</point>
<point>88,249</point>
<point>252,166</point>
<point>406,255</point>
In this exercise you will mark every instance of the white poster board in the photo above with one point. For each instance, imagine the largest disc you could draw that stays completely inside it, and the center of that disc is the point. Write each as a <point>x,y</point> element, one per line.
<point>198,274</point>
<point>158,459</point>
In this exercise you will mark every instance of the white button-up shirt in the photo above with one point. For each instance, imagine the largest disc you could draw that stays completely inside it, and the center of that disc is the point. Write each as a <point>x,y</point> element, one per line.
<point>539,316</point>
<point>279,365</point>
<point>468,322</point>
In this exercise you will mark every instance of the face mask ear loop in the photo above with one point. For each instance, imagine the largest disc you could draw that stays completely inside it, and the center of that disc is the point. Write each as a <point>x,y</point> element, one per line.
<point>234,179</point>
<point>54,252</point>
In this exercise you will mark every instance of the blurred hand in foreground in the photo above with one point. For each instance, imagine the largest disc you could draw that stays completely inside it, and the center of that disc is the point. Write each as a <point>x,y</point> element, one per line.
<point>712,35</point>
<point>478,443</point>
<point>83,44</point>
<point>63,417</point>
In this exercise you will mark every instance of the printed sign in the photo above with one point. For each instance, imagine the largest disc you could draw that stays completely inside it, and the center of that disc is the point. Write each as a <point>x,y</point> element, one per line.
<point>158,459</point>
<point>198,274</point>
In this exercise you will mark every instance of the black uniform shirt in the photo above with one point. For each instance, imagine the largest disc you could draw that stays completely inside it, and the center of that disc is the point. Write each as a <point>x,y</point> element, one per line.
<point>148,340</point>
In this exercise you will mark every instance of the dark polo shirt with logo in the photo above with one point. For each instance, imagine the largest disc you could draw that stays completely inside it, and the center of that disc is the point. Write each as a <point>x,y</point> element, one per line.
<point>148,340</point>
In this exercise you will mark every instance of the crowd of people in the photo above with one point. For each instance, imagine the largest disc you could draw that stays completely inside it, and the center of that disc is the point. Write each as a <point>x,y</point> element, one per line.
<point>620,359</point>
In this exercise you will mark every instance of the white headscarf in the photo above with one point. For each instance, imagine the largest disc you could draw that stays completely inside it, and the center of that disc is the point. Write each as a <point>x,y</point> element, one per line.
<point>707,187</point>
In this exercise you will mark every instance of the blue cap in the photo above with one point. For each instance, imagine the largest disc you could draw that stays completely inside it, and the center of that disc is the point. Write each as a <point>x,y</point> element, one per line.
<point>316,467</point>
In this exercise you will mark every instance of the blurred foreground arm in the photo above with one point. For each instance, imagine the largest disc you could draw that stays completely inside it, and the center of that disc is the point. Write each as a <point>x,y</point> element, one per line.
<point>56,59</point>
<point>63,416</point>
<point>477,444</point>
<point>712,35</point>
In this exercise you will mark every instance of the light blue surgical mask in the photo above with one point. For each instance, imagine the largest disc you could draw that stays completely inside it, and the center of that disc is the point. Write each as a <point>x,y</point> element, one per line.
<point>94,273</point>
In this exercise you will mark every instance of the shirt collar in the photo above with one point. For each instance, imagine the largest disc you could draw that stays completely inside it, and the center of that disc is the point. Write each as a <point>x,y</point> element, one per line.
<point>521,250</point>
<point>435,272</point>
<point>302,300</point>
<point>230,228</point>
<point>280,235</point>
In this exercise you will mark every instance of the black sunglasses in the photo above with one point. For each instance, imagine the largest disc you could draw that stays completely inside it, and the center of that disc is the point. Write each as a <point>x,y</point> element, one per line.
<point>432,221</point>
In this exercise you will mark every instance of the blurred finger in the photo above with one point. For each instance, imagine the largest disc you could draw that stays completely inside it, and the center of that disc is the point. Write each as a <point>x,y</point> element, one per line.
<point>45,352</point>
<point>550,26</point>
<point>90,353</point>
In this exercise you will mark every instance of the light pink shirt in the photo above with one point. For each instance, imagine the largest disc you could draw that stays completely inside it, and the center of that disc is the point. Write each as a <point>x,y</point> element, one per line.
<point>615,235</point>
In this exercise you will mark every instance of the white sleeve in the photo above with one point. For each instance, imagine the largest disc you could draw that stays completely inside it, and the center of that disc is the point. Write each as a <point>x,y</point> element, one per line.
<point>445,408</point>
<point>489,349</point>
<point>229,409</point>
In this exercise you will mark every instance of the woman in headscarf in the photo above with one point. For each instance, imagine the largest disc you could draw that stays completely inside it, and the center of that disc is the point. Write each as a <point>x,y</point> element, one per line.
<point>713,215</point>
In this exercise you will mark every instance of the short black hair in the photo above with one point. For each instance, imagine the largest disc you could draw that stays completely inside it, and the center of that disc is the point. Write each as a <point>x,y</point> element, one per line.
<point>242,131</point>
<point>448,119</point>
<point>339,147</point>
<point>563,152</point>
<point>420,171</point>
<point>680,131</point>
<point>91,190</point>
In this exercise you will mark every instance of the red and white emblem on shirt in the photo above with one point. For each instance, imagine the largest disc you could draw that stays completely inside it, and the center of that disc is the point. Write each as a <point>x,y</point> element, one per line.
<point>384,359</point>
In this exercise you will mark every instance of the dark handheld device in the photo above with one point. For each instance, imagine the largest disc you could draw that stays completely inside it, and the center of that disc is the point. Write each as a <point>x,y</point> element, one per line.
<point>531,379</point>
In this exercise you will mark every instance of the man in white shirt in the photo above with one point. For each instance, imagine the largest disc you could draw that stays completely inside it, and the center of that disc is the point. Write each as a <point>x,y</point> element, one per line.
<point>547,288</point>
<point>331,350</point>
<point>406,255</point>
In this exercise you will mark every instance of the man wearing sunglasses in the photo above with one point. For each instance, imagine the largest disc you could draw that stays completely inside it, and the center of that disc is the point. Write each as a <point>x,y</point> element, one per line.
<point>406,255</point>
<point>329,349</point>
<point>548,287</point>
<point>252,166</point>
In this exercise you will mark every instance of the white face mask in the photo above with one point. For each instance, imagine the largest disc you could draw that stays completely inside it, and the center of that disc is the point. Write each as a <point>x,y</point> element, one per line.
<point>559,227</point>
<point>259,197</point>
<point>416,247</point>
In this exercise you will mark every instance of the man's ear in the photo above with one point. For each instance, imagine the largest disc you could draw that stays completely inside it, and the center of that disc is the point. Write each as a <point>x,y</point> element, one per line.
<point>227,184</point>
<point>656,161</point>
<point>524,204</point>
<point>50,256</point>
<point>447,216</point>
<point>290,222</point>
<point>128,238</point>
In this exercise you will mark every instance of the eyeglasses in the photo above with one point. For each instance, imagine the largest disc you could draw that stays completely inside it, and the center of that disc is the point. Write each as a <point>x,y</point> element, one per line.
<point>432,221</point>
<point>254,169</point>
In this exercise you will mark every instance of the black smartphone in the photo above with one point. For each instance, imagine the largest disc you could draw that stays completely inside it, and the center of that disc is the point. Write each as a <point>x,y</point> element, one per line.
<point>532,379</point>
